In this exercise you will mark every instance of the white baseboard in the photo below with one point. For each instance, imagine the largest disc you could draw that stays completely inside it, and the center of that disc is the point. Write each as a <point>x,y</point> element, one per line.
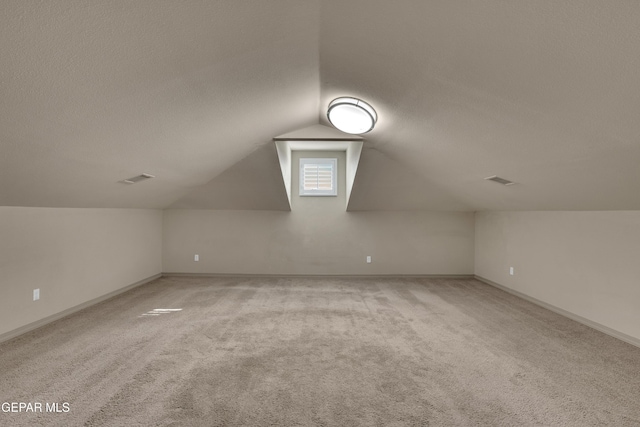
<point>590,323</point>
<point>336,276</point>
<point>39,323</point>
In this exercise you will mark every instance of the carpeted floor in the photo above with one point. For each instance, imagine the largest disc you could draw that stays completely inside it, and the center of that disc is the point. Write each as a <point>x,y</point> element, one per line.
<point>319,351</point>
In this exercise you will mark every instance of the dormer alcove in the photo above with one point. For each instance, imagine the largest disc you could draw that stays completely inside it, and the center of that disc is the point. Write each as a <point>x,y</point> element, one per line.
<point>314,139</point>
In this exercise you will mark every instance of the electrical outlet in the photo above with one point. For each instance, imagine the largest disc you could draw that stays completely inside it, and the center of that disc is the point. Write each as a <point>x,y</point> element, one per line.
<point>511,271</point>
<point>36,294</point>
<point>196,257</point>
<point>368,259</point>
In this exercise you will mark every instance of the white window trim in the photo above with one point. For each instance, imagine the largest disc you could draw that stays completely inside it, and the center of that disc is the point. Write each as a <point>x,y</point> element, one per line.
<point>334,176</point>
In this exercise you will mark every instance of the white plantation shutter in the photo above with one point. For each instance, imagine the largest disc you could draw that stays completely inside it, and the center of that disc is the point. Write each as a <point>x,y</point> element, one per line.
<point>318,177</point>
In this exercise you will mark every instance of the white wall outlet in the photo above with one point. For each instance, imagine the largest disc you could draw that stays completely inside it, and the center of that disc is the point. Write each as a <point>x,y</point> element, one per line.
<point>368,259</point>
<point>36,294</point>
<point>511,271</point>
<point>196,257</point>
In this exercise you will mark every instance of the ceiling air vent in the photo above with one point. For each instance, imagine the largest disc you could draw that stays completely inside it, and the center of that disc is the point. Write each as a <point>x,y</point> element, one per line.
<point>499,180</point>
<point>138,178</point>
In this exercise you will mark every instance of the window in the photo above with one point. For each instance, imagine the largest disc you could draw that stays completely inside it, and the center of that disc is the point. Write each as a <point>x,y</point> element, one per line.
<point>318,177</point>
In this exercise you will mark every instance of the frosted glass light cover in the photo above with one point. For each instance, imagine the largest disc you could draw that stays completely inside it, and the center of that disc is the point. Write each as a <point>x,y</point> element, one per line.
<point>351,115</point>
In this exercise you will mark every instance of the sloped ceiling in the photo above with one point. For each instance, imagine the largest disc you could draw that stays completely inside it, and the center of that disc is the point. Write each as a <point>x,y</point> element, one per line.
<point>254,183</point>
<point>543,93</point>
<point>94,92</point>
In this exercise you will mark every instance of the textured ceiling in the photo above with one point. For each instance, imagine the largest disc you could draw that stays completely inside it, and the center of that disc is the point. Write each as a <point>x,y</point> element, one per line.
<point>93,92</point>
<point>542,93</point>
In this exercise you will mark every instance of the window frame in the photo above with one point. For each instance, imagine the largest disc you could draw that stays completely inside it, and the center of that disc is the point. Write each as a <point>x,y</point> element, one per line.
<point>318,161</point>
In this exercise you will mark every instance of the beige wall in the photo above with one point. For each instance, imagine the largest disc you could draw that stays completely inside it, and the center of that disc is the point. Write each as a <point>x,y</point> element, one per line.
<point>583,262</point>
<point>266,242</point>
<point>73,256</point>
<point>318,236</point>
<point>587,263</point>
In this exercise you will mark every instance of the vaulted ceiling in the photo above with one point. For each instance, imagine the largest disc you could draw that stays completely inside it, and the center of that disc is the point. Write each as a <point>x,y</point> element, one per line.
<point>543,93</point>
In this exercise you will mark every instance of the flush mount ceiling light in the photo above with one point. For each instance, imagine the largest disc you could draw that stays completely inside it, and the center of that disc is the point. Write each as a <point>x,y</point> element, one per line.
<point>352,115</point>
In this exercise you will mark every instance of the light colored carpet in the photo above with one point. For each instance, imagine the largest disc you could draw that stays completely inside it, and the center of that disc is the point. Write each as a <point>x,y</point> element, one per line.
<point>318,351</point>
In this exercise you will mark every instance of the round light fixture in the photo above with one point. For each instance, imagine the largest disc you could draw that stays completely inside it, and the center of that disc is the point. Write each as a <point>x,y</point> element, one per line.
<point>352,115</point>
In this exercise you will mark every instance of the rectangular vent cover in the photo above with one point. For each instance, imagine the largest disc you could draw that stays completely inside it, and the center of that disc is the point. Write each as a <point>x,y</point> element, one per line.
<point>499,180</point>
<point>138,178</point>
